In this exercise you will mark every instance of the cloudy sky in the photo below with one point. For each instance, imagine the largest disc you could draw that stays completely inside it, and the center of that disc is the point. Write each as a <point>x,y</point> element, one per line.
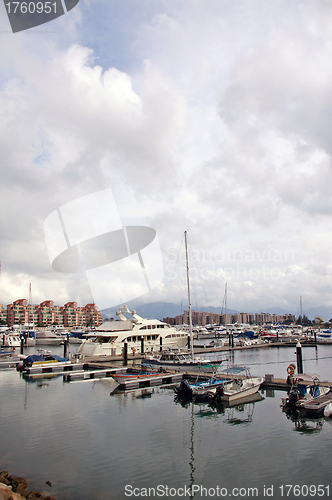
<point>210,116</point>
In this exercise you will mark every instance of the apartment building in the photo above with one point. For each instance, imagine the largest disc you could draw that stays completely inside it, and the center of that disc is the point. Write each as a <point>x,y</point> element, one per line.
<point>204,318</point>
<point>3,314</point>
<point>46,314</point>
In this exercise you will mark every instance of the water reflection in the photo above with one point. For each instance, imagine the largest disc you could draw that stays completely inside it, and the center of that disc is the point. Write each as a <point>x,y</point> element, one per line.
<point>192,450</point>
<point>135,393</point>
<point>238,412</point>
<point>40,380</point>
<point>305,426</point>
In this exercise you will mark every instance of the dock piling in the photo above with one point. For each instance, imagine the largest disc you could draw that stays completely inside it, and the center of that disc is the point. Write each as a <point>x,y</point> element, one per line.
<point>299,358</point>
<point>65,346</point>
<point>125,353</point>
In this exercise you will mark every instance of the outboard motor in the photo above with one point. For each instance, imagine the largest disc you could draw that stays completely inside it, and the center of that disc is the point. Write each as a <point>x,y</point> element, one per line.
<point>219,393</point>
<point>183,389</point>
<point>293,397</point>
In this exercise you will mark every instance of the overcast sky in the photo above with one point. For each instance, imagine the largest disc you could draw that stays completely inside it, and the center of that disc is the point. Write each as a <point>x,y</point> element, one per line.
<point>211,116</point>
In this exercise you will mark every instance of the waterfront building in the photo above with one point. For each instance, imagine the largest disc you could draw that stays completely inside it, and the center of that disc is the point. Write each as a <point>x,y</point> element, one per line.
<point>47,314</point>
<point>17,312</point>
<point>92,315</point>
<point>3,314</point>
<point>205,318</point>
<point>58,316</point>
<point>70,315</point>
<point>264,318</point>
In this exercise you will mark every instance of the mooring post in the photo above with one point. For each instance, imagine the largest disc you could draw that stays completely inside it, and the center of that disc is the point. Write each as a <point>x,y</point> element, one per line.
<point>188,342</point>
<point>315,334</point>
<point>142,345</point>
<point>65,349</point>
<point>160,343</point>
<point>125,353</point>
<point>299,358</point>
<point>22,344</point>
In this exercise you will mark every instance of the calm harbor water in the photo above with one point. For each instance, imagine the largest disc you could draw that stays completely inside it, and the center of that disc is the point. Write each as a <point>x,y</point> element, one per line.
<point>92,443</point>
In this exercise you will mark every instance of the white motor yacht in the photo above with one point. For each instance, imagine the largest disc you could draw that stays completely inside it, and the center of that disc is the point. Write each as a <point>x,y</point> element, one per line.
<point>108,338</point>
<point>48,337</point>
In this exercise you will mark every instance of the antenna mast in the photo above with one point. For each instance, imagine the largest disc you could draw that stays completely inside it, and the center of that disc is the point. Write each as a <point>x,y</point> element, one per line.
<point>189,300</point>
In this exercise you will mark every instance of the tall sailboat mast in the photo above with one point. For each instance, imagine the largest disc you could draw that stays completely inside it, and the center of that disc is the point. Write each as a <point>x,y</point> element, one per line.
<point>31,328</point>
<point>226,308</point>
<point>189,300</point>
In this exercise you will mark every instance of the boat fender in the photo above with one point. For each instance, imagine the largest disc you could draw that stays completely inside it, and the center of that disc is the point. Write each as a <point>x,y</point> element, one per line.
<point>291,370</point>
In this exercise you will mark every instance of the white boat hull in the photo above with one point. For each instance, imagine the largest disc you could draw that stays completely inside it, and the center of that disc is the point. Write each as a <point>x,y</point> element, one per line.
<point>324,340</point>
<point>10,340</point>
<point>49,341</point>
<point>235,390</point>
<point>94,348</point>
<point>328,410</point>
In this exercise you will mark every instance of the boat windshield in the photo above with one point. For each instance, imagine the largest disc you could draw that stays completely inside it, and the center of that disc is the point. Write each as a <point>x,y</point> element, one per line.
<point>234,370</point>
<point>185,357</point>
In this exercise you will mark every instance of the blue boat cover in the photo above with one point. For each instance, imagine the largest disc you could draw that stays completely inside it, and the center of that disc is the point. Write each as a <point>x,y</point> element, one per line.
<point>38,357</point>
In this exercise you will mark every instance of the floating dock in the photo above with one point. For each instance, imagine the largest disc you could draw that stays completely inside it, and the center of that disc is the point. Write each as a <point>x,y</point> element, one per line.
<point>9,363</point>
<point>162,379</point>
<point>87,375</point>
<point>54,368</point>
<point>130,383</point>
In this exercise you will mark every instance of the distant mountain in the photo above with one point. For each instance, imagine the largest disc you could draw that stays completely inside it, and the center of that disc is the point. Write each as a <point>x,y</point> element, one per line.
<point>323,312</point>
<point>160,310</point>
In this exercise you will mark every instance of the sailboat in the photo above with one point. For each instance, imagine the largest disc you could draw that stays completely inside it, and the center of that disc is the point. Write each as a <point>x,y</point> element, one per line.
<point>183,359</point>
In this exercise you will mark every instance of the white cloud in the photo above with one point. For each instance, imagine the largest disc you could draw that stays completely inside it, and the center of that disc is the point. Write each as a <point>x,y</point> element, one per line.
<point>220,125</point>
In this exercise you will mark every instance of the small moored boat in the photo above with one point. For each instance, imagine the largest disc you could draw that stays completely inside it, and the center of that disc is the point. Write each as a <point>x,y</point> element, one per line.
<point>42,359</point>
<point>307,394</point>
<point>132,373</point>
<point>241,385</point>
<point>180,359</point>
<point>200,391</point>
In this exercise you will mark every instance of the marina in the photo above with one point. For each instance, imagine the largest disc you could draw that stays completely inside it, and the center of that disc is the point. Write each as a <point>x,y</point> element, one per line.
<point>72,431</point>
